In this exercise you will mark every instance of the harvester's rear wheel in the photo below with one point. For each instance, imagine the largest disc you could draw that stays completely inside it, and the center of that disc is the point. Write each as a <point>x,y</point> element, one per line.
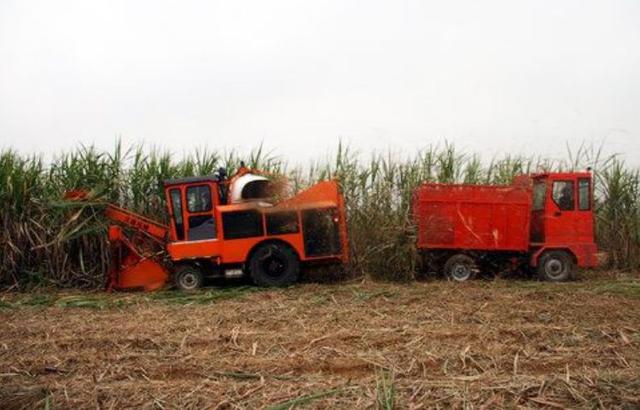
<point>556,266</point>
<point>274,264</point>
<point>188,277</point>
<point>460,268</point>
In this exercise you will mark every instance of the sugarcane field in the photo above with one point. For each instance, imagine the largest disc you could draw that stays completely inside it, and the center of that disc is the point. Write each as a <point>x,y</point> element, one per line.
<point>386,327</point>
<point>334,204</point>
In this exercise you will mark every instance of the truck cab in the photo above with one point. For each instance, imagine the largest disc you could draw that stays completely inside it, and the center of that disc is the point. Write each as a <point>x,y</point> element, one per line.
<point>562,220</point>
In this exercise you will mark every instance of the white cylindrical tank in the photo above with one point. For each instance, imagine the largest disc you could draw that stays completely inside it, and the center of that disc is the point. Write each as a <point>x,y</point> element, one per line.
<point>250,187</point>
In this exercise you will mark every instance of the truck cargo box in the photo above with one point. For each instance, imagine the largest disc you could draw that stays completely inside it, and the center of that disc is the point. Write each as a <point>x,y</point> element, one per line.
<point>473,217</point>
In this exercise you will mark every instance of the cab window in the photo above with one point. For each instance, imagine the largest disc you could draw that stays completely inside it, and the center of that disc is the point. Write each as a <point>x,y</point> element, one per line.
<point>584,194</point>
<point>539,193</point>
<point>176,204</point>
<point>199,198</point>
<point>563,195</point>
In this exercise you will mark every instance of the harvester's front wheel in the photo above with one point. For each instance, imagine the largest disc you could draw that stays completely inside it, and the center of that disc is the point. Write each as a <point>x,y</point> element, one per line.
<point>460,268</point>
<point>274,264</point>
<point>188,277</point>
<point>556,266</point>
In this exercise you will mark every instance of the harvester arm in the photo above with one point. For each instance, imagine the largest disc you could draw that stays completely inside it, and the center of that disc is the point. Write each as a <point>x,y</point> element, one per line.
<point>154,229</point>
<point>133,265</point>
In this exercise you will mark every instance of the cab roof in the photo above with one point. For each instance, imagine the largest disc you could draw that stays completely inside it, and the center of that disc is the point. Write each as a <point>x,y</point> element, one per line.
<point>190,180</point>
<point>567,174</point>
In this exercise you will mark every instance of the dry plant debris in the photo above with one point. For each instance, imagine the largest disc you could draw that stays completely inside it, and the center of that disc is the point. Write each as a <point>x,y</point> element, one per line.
<point>358,345</point>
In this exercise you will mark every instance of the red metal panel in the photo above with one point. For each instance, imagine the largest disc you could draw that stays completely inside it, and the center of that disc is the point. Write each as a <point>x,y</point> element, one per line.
<point>474,217</point>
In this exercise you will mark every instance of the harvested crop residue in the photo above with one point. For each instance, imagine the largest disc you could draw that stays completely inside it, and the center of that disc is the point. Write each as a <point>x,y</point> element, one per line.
<point>364,345</point>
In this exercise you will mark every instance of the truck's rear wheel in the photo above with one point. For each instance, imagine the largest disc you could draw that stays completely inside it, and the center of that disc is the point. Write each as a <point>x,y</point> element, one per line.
<point>460,268</point>
<point>556,266</point>
<point>188,277</point>
<point>274,264</point>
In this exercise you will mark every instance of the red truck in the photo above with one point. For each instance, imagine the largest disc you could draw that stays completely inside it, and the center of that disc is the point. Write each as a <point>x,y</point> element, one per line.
<point>543,221</point>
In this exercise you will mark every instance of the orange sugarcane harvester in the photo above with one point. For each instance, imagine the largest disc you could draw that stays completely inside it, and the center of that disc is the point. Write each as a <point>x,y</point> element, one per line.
<point>222,226</point>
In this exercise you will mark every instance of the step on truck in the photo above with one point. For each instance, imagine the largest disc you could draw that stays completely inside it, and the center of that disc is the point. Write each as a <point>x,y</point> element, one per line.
<point>542,222</point>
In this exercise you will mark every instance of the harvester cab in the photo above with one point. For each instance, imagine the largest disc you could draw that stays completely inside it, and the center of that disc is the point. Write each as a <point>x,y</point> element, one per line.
<point>221,227</point>
<point>192,202</point>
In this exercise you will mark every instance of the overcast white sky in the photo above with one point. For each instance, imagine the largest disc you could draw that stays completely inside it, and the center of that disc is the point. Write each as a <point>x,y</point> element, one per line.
<point>491,76</point>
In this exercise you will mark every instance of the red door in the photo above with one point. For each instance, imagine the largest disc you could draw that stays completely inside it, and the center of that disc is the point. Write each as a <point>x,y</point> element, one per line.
<point>560,212</point>
<point>568,215</point>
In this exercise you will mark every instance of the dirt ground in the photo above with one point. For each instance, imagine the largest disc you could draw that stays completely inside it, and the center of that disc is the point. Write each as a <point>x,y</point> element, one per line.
<point>485,344</point>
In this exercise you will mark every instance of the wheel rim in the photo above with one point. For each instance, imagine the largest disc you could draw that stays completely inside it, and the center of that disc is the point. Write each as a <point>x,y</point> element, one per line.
<point>554,268</point>
<point>460,272</point>
<point>188,280</point>
<point>274,265</point>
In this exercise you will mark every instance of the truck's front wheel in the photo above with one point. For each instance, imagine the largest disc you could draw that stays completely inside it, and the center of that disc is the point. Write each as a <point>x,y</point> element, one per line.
<point>556,266</point>
<point>274,264</point>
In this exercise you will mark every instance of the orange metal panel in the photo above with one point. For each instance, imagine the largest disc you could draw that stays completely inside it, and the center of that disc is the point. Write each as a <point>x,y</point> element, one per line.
<point>323,195</point>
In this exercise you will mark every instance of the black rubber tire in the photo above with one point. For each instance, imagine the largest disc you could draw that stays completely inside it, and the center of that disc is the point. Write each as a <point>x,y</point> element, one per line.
<point>556,266</point>
<point>460,268</point>
<point>274,264</point>
<point>188,278</point>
